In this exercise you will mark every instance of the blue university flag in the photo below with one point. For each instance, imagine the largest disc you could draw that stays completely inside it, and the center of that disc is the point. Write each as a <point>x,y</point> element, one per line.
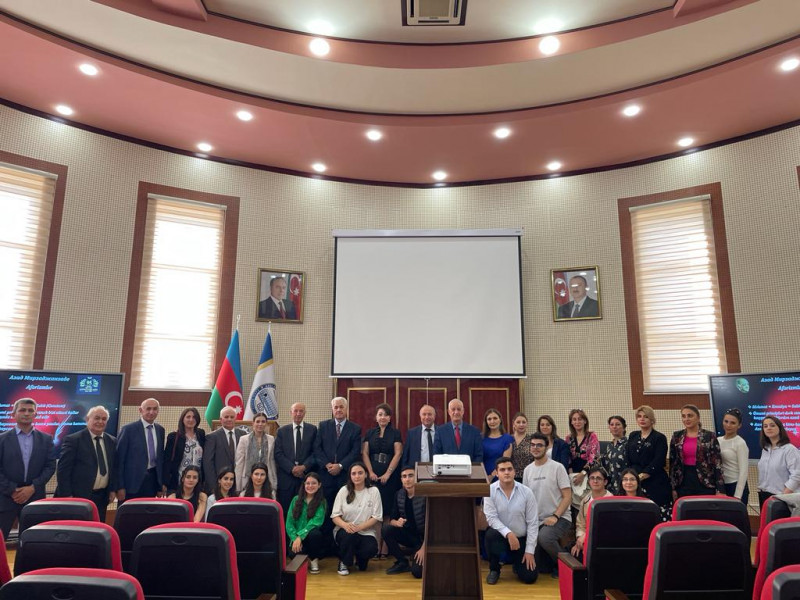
<point>262,394</point>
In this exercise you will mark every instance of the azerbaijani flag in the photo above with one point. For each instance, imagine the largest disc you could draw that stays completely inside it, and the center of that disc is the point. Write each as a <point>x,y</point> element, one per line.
<point>228,389</point>
<point>262,394</point>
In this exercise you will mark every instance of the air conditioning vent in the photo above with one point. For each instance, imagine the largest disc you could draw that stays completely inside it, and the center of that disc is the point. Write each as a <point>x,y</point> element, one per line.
<point>434,12</point>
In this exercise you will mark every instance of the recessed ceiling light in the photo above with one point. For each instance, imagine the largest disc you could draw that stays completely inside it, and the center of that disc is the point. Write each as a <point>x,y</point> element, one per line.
<point>205,147</point>
<point>631,110</point>
<point>374,135</point>
<point>548,25</point>
<point>244,115</point>
<point>502,133</point>
<point>319,167</point>
<point>319,47</point>
<point>63,109</point>
<point>439,175</point>
<point>790,64</point>
<point>554,165</point>
<point>685,142</point>
<point>320,27</point>
<point>89,69</point>
<point>549,45</point>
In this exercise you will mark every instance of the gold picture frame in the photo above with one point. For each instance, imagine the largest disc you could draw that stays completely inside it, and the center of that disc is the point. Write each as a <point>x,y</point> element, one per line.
<point>566,286</point>
<point>290,297</point>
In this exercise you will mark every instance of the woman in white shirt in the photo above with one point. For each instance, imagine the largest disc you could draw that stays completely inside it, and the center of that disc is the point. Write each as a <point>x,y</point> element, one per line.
<point>779,467</point>
<point>735,455</point>
<point>357,511</point>
<point>256,447</point>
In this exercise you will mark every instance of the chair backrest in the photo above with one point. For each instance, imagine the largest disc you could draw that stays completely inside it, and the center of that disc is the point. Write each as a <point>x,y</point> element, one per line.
<point>57,509</point>
<point>186,561</point>
<point>134,516</point>
<point>65,583</point>
<point>716,508</point>
<point>698,559</point>
<point>617,536</point>
<point>75,544</point>
<point>778,546</point>
<point>257,526</point>
<point>782,584</point>
<point>5,571</point>
<point>771,510</point>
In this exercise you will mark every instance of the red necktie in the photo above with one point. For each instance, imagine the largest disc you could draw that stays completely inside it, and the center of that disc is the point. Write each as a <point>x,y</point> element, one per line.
<point>458,437</point>
<point>283,312</point>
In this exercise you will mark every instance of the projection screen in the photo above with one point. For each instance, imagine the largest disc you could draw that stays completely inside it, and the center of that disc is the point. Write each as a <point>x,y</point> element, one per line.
<point>412,303</point>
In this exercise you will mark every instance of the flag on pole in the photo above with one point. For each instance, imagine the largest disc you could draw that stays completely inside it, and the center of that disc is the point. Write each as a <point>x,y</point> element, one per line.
<point>262,394</point>
<point>228,388</point>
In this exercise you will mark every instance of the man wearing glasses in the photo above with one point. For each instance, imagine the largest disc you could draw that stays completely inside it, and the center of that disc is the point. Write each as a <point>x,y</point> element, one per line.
<point>550,484</point>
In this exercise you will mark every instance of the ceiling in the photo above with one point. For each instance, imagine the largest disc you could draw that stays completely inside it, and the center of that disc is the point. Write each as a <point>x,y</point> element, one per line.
<point>174,73</point>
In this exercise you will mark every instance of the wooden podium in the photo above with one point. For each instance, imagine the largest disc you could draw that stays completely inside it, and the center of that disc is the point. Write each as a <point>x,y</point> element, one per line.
<point>452,566</point>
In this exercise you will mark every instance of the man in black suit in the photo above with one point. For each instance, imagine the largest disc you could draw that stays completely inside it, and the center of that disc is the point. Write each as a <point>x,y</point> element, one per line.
<point>581,305</point>
<point>26,464</point>
<point>86,466</point>
<point>219,451</point>
<point>337,446</point>
<point>294,454</point>
<point>457,437</point>
<point>140,455</point>
<point>420,439</point>
<point>276,307</point>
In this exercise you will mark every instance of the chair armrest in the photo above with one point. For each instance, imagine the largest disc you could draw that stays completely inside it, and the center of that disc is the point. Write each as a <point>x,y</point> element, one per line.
<point>267,597</point>
<point>615,595</point>
<point>570,561</point>
<point>296,563</point>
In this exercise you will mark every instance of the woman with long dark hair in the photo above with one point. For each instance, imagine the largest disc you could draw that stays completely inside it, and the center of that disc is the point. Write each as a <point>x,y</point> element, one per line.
<point>583,445</point>
<point>629,484</point>
<point>521,455</point>
<point>496,442</point>
<point>189,489</point>
<point>695,465</point>
<point>257,447</point>
<point>381,453</point>
<point>557,449</point>
<point>304,521</point>
<point>224,488</point>
<point>258,485</point>
<point>735,456</point>
<point>184,447</point>
<point>779,466</point>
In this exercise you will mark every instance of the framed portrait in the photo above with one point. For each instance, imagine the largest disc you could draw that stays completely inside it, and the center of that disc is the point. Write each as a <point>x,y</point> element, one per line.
<point>280,296</point>
<point>576,294</point>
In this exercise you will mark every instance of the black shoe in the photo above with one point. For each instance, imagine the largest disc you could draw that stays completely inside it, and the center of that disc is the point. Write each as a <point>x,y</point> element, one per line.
<point>492,577</point>
<point>362,564</point>
<point>398,567</point>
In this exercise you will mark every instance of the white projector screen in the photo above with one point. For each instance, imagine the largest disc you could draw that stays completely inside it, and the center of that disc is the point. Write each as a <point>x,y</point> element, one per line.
<point>428,304</point>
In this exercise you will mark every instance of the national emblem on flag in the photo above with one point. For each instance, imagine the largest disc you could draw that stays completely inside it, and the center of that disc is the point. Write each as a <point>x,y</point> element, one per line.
<point>228,388</point>
<point>263,396</point>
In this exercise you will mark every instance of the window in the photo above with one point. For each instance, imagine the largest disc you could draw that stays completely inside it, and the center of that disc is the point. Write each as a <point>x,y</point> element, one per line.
<point>27,199</point>
<point>178,312</point>
<point>678,299</point>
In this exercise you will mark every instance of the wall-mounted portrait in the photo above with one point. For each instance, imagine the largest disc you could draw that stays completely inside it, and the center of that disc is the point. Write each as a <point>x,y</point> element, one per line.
<point>280,296</point>
<point>576,294</point>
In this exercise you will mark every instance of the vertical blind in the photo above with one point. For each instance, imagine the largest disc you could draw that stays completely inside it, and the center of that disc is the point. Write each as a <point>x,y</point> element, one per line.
<point>176,327</point>
<point>26,207</point>
<point>680,319</point>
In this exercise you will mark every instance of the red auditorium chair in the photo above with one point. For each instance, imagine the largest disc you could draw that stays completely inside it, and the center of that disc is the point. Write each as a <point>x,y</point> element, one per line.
<point>257,525</point>
<point>57,509</point>
<point>696,560</point>
<point>778,546</point>
<point>77,584</point>
<point>186,561</point>
<point>717,508</point>
<point>136,515</point>
<point>771,510</point>
<point>615,551</point>
<point>76,544</point>
<point>783,584</point>
<point>5,571</point>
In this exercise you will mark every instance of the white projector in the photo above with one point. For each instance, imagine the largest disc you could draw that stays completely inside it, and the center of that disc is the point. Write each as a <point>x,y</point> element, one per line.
<point>452,464</point>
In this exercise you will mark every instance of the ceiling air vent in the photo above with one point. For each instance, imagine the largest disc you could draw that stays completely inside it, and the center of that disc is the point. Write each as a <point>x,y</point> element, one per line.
<point>434,12</point>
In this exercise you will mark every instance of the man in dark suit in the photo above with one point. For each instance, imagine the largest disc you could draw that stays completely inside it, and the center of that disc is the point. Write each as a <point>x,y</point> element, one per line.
<point>337,446</point>
<point>458,437</point>
<point>581,305</point>
<point>294,454</point>
<point>276,307</point>
<point>420,439</point>
<point>219,451</point>
<point>86,466</point>
<point>140,455</point>
<point>26,464</point>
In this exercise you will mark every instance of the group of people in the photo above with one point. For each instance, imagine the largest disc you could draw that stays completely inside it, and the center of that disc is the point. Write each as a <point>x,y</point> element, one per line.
<point>356,495</point>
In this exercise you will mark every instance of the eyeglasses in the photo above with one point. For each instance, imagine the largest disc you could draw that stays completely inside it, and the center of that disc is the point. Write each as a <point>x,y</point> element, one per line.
<point>597,478</point>
<point>540,445</point>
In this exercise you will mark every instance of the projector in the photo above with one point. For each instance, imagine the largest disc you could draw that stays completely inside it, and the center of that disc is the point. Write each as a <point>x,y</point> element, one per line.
<point>452,464</point>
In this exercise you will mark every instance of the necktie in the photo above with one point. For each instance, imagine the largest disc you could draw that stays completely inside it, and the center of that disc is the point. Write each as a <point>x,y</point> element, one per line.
<point>231,445</point>
<point>430,443</point>
<point>298,441</point>
<point>338,429</point>
<point>458,437</point>
<point>283,310</point>
<point>151,448</point>
<point>101,461</point>
<point>575,310</point>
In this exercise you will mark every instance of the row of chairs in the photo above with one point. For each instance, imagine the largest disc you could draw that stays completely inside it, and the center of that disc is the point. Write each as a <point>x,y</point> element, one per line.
<point>703,553</point>
<point>239,554</point>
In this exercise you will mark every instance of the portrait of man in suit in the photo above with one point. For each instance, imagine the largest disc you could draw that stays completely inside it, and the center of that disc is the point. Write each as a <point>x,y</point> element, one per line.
<point>281,296</point>
<point>219,451</point>
<point>140,455</point>
<point>86,466</point>
<point>294,454</point>
<point>579,287</point>
<point>26,463</point>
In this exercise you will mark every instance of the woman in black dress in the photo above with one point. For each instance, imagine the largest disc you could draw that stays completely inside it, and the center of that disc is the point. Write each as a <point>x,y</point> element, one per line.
<point>647,453</point>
